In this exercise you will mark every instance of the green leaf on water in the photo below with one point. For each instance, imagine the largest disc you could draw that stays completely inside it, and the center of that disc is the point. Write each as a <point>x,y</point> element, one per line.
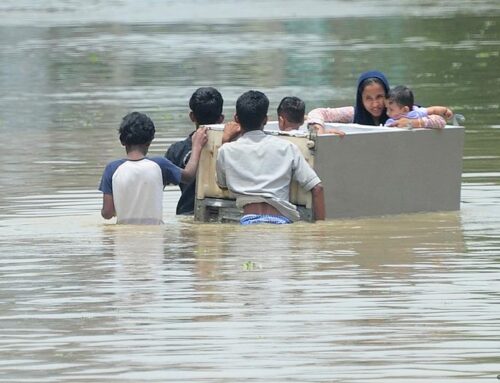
<point>93,58</point>
<point>250,266</point>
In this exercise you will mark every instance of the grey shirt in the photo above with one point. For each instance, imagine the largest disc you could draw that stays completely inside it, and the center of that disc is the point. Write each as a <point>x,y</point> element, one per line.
<point>259,168</point>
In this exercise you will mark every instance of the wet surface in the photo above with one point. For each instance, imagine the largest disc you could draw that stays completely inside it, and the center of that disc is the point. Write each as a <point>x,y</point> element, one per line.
<point>410,297</point>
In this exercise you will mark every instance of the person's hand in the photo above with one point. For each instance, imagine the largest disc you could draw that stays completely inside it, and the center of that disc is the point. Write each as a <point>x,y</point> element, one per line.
<point>200,138</point>
<point>403,123</point>
<point>448,113</point>
<point>231,131</point>
<point>318,128</point>
<point>338,132</point>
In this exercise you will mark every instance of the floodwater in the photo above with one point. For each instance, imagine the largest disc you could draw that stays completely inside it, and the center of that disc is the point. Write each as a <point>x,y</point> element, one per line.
<point>408,298</point>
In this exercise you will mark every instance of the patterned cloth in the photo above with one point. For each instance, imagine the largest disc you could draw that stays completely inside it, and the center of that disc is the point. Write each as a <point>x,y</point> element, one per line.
<point>319,116</point>
<point>251,219</point>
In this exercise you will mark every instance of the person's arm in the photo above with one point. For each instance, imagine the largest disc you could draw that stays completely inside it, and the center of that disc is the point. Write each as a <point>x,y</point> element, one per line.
<point>106,187</point>
<point>305,175</point>
<point>442,111</point>
<point>318,202</point>
<point>431,122</point>
<point>220,170</point>
<point>338,132</point>
<point>321,115</point>
<point>108,206</point>
<point>199,140</point>
<point>316,119</point>
<point>320,130</point>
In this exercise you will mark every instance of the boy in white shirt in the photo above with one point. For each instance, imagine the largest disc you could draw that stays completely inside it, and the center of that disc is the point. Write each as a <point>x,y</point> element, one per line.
<point>133,187</point>
<point>258,168</point>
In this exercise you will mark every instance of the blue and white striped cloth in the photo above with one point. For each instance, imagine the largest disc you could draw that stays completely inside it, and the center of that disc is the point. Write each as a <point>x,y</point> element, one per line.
<point>251,219</point>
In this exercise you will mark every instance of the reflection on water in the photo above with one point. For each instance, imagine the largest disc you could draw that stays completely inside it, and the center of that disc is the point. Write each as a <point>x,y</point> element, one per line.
<point>382,299</point>
<point>412,297</point>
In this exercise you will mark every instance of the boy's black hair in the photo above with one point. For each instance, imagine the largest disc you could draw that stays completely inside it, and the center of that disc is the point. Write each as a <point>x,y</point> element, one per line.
<point>251,109</point>
<point>206,104</point>
<point>293,109</point>
<point>136,129</point>
<point>401,95</point>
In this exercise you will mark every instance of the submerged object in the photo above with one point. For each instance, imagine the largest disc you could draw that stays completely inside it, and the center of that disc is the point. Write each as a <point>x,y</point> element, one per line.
<point>371,171</point>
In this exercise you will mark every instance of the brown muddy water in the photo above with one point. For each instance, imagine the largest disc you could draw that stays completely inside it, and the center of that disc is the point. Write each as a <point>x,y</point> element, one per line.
<point>408,298</point>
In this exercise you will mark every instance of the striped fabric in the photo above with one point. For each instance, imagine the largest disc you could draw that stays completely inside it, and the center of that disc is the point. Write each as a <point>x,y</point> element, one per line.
<point>251,219</point>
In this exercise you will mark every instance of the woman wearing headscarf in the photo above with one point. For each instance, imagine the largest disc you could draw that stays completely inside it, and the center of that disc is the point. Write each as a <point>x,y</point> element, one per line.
<point>369,108</point>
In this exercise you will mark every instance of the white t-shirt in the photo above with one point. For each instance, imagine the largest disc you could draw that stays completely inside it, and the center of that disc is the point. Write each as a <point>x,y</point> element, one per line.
<point>259,168</point>
<point>137,188</point>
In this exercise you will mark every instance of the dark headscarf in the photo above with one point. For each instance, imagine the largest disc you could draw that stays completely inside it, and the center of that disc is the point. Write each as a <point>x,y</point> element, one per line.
<point>361,115</point>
